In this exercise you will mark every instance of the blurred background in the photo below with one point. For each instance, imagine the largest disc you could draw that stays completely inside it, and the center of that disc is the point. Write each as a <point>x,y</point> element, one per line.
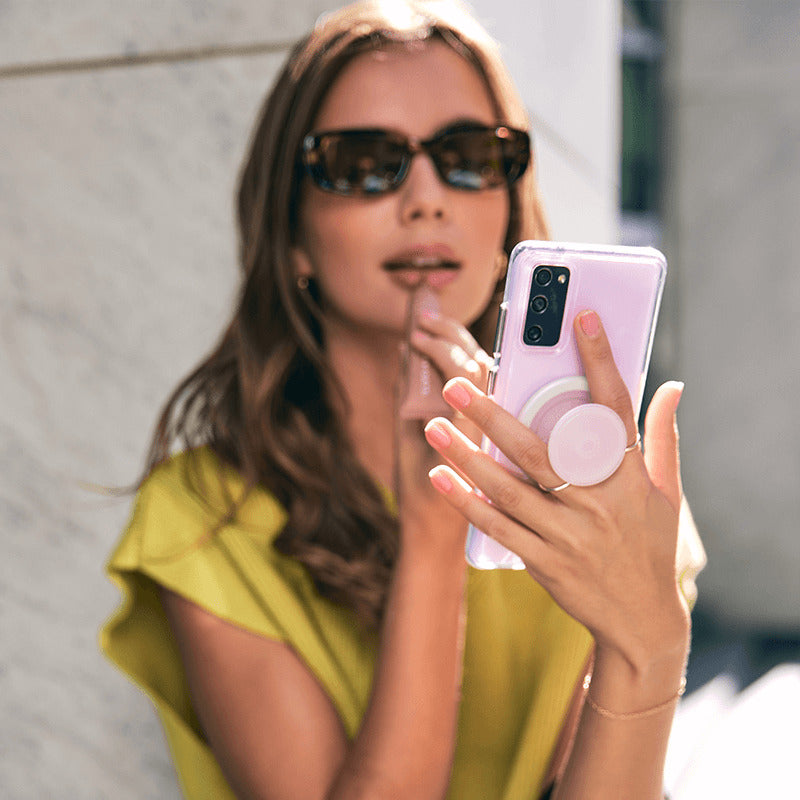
<point>122,126</point>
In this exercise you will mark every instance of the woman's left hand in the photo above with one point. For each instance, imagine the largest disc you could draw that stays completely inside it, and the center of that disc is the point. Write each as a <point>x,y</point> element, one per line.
<point>453,352</point>
<point>606,553</point>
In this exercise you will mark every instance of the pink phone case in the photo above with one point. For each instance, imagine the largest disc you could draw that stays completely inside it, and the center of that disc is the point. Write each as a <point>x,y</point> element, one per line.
<point>539,383</point>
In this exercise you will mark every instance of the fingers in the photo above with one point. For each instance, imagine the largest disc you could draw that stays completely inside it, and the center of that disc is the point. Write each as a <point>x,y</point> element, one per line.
<point>605,384</point>
<point>452,349</point>
<point>513,495</point>
<point>421,507</point>
<point>446,328</point>
<point>661,454</point>
<point>517,442</point>
<point>485,517</point>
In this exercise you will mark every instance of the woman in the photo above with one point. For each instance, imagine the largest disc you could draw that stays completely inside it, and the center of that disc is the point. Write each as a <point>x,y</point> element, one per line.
<point>295,586</point>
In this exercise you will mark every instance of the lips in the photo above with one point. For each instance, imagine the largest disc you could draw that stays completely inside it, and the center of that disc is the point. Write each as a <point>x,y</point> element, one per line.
<point>435,264</point>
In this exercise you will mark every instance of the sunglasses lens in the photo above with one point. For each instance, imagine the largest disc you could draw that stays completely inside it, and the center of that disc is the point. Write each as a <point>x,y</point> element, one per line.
<point>481,158</point>
<point>359,162</point>
<point>372,162</point>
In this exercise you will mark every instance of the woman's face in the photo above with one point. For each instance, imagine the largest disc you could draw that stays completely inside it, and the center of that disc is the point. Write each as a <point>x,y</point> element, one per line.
<point>366,252</point>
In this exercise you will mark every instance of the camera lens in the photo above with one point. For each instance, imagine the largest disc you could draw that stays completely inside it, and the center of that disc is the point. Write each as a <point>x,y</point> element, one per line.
<point>533,333</point>
<point>543,276</point>
<point>539,303</point>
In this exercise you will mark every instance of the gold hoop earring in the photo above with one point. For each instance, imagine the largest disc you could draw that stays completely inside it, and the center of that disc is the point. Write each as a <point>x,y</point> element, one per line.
<point>501,264</point>
<point>302,282</point>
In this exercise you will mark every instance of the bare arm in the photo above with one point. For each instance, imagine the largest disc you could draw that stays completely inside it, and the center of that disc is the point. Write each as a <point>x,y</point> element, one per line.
<point>271,725</point>
<point>275,731</point>
<point>606,554</point>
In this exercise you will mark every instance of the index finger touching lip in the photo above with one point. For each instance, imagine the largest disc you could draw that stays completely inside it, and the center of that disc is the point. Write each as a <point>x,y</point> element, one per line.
<point>605,383</point>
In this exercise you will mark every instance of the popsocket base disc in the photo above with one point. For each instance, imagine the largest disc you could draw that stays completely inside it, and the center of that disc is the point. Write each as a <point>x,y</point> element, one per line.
<point>546,407</point>
<point>587,444</point>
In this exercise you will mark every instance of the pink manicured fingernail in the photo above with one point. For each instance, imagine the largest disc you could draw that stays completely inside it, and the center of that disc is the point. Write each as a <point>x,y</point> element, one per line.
<point>590,323</point>
<point>679,385</point>
<point>437,435</point>
<point>457,395</point>
<point>440,480</point>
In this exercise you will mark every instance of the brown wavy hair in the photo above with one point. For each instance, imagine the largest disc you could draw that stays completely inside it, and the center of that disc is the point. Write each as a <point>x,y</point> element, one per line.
<point>265,400</point>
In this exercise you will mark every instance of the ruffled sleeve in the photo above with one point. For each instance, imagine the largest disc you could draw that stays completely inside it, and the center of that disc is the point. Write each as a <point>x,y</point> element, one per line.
<point>178,538</point>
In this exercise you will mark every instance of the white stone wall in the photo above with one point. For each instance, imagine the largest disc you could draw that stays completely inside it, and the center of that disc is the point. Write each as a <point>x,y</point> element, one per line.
<point>733,240</point>
<point>117,269</point>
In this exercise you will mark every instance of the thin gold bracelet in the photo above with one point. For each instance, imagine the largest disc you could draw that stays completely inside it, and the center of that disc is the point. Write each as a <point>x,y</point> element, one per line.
<point>647,712</point>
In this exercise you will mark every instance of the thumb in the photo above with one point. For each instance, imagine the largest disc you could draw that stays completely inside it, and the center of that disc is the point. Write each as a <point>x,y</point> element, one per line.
<point>661,441</point>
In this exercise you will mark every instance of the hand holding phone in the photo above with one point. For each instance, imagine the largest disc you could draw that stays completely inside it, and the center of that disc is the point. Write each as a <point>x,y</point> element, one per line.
<point>538,375</point>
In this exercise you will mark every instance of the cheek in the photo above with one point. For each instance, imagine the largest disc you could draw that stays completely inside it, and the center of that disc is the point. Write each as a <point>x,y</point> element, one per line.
<point>500,219</point>
<point>341,241</point>
<point>486,237</point>
<point>327,247</point>
<point>337,230</point>
<point>489,216</point>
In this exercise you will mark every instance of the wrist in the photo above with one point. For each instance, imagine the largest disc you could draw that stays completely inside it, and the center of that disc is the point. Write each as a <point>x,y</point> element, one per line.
<point>658,638</point>
<point>642,713</point>
<point>427,556</point>
<point>432,538</point>
<point>624,686</point>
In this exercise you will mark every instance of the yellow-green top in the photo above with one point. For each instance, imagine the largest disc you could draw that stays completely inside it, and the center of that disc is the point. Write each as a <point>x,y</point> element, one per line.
<point>523,654</point>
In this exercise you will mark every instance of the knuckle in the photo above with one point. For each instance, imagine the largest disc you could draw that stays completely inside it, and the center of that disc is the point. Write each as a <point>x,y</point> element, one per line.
<point>473,370</point>
<point>484,359</point>
<point>531,457</point>
<point>470,460</point>
<point>619,397</point>
<point>507,495</point>
<point>449,325</point>
<point>558,574</point>
<point>481,414</point>
<point>599,501</point>
<point>457,355</point>
<point>495,528</point>
<point>461,501</point>
<point>436,325</point>
<point>601,352</point>
<point>641,485</point>
<point>596,511</point>
<point>604,517</point>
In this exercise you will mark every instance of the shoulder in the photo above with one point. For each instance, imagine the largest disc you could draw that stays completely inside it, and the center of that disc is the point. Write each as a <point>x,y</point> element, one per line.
<point>195,532</point>
<point>200,479</point>
<point>186,501</point>
<point>180,539</point>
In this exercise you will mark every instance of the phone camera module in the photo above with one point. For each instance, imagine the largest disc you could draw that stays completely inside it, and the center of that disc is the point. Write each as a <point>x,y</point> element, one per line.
<point>533,333</point>
<point>539,303</point>
<point>546,303</point>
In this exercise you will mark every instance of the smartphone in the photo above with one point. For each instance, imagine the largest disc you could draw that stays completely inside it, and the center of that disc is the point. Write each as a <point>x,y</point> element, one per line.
<point>537,373</point>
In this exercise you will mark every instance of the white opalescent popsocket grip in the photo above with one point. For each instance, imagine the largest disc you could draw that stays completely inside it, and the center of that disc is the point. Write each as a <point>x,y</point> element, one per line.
<point>585,441</point>
<point>587,444</point>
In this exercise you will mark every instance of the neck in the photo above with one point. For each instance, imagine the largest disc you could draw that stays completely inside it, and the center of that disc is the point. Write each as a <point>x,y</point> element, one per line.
<point>367,367</point>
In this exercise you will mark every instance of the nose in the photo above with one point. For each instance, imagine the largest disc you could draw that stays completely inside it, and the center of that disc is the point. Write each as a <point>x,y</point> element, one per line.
<point>423,195</point>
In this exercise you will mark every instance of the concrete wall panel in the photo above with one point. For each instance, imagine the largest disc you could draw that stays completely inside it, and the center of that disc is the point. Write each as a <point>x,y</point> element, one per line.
<point>734,239</point>
<point>564,58</point>
<point>117,270</point>
<point>43,31</point>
